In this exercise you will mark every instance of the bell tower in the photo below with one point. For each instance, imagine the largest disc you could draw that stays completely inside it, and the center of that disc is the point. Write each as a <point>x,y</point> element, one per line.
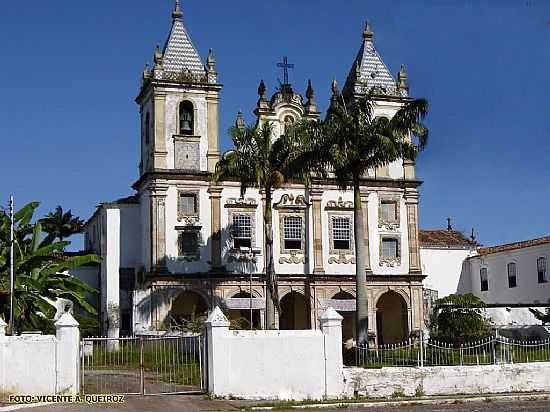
<point>179,106</point>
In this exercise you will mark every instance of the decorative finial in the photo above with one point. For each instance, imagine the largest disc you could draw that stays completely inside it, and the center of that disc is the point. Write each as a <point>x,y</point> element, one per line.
<point>211,61</point>
<point>368,33</point>
<point>449,226</point>
<point>146,71</point>
<point>261,89</point>
<point>239,122</point>
<point>311,106</point>
<point>335,91</point>
<point>473,235</point>
<point>177,14</point>
<point>402,78</point>
<point>357,71</point>
<point>158,55</point>
<point>309,91</point>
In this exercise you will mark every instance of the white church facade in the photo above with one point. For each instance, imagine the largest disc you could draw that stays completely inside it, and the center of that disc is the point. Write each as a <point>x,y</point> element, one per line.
<point>181,245</point>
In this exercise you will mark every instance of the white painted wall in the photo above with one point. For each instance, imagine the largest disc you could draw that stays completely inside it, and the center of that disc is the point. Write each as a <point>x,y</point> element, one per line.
<point>271,364</point>
<point>447,380</point>
<point>443,267</point>
<point>41,365</point>
<point>527,291</point>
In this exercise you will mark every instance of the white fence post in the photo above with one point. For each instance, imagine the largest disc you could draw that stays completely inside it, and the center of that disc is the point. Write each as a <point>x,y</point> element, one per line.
<point>217,327</point>
<point>331,326</point>
<point>3,326</point>
<point>67,355</point>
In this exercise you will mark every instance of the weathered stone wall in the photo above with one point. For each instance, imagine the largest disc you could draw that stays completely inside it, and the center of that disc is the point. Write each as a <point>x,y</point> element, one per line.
<point>447,380</point>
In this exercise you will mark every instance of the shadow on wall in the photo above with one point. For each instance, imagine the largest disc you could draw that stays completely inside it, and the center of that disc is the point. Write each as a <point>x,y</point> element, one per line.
<point>465,280</point>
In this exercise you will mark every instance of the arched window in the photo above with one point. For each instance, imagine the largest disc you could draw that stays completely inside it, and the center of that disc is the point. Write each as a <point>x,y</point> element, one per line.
<point>512,275</point>
<point>147,128</point>
<point>288,121</point>
<point>541,269</point>
<point>186,124</point>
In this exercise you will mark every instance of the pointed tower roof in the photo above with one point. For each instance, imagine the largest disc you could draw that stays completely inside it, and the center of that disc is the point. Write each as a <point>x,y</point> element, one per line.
<point>369,71</point>
<point>179,54</point>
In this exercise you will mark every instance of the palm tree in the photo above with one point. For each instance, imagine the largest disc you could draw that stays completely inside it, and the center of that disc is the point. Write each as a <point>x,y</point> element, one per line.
<point>260,161</point>
<point>344,146</point>
<point>62,225</point>
<point>39,267</point>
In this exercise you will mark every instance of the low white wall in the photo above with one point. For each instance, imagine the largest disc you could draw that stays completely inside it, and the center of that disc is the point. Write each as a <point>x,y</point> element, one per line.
<point>41,365</point>
<point>280,364</point>
<point>447,380</point>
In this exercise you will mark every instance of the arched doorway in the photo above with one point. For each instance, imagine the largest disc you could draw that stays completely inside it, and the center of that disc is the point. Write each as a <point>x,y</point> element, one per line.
<point>348,323</point>
<point>392,324</point>
<point>241,317</point>
<point>295,313</point>
<point>188,307</point>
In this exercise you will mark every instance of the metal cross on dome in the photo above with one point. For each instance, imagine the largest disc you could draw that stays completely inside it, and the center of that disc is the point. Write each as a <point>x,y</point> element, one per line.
<point>285,66</point>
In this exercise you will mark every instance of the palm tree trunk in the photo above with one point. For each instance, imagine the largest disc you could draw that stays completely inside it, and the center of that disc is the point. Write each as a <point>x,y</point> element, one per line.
<point>271,281</point>
<point>361,311</point>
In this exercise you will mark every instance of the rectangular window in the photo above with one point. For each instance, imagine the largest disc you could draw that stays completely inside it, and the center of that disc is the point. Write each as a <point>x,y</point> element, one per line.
<point>388,209</point>
<point>341,232</point>
<point>512,278</point>
<point>390,248</point>
<point>188,203</point>
<point>242,231</point>
<point>292,232</point>
<point>484,279</point>
<point>189,243</point>
<point>541,269</point>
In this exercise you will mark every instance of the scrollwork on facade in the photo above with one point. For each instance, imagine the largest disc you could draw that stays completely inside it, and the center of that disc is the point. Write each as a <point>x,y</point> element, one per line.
<point>390,262</point>
<point>241,202</point>
<point>294,258</point>
<point>339,204</point>
<point>292,202</point>
<point>238,256</point>
<point>341,259</point>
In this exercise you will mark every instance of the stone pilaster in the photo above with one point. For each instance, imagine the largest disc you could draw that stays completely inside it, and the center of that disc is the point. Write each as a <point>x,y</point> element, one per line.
<point>411,202</point>
<point>215,226</point>
<point>409,169</point>
<point>365,210</point>
<point>157,195</point>
<point>213,154</point>
<point>159,151</point>
<point>318,267</point>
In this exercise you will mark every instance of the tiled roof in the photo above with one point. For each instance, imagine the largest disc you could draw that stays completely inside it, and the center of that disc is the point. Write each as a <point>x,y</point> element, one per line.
<point>179,53</point>
<point>514,246</point>
<point>444,238</point>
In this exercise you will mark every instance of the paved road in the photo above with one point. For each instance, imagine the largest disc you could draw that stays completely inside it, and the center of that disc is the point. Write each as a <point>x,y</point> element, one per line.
<point>198,403</point>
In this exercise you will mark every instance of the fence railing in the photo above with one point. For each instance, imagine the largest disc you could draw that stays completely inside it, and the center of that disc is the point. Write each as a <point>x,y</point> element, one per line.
<point>429,352</point>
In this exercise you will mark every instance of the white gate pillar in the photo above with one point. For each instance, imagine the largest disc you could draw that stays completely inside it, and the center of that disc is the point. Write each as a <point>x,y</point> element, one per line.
<point>217,328</point>
<point>331,326</point>
<point>67,355</point>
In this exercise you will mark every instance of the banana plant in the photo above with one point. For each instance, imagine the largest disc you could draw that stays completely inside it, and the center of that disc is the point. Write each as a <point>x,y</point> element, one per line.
<point>41,271</point>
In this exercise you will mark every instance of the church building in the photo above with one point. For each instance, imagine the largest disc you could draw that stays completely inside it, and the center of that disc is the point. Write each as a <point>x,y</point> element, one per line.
<point>180,245</point>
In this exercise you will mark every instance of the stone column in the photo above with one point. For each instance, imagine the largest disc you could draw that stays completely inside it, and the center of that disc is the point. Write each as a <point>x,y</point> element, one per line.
<point>318,267</point>
<point>158,226</point>
<point>160,153</point>
<point>365,209</point>
<point>67,355</point>
<point>411,202</point>
<point>215,227</point>
<point>213,154</point>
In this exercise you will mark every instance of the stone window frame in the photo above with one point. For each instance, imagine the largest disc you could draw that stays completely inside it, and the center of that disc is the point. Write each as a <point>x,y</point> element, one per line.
<point>544,278</point>
<point>291,205</point>
<point>388,260</point>
<point>241,206</point>
<point>513,264</point>
<point>341,253</point>
<point>482,281</point>
<point>189,218</point>
<point>389,224</point>
<point>190,256</point>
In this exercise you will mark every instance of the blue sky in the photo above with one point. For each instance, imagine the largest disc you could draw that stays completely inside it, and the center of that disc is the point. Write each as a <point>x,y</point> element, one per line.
<point>71,69</point>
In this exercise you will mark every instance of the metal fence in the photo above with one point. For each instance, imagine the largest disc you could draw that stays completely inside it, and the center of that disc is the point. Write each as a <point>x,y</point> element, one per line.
<point>429,352</point>
<point>142,365</point>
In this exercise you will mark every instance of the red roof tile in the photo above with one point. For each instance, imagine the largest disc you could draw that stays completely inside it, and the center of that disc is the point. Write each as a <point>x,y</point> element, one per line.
<point>514,246</point>
<point>444,238</point>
